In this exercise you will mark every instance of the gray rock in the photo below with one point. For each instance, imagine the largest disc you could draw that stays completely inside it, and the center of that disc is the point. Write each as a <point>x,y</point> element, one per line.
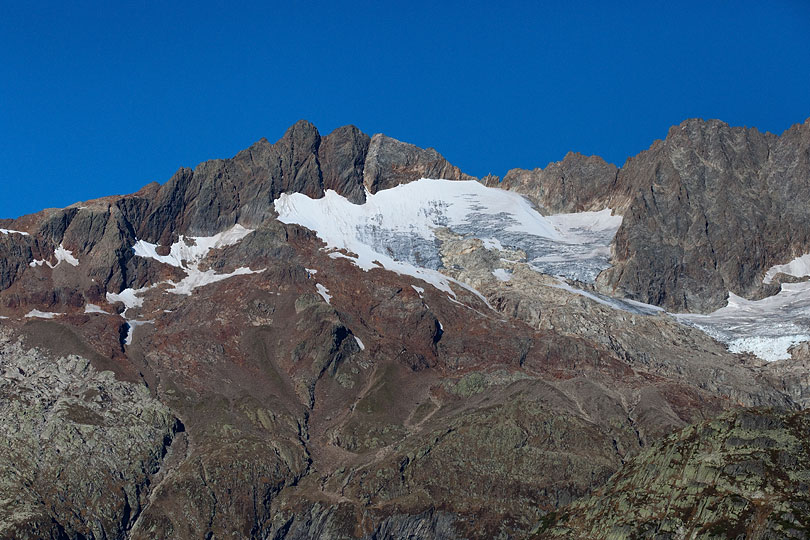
<point>390,162</point>
<point>574,184</point>
<point>713,208</point>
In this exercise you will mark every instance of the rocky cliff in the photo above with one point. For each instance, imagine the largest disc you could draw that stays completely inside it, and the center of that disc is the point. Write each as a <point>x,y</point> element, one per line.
<point>180,363</point>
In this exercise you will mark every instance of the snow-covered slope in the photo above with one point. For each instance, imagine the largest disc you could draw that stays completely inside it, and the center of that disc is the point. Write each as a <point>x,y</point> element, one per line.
<point>396,227</point>
<point>766,328</point>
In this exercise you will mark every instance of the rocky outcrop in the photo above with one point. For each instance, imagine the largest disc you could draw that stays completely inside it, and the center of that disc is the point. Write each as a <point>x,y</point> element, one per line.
<point>390,162</point>
<point>322,400</point>
<point>575,184</point>
<point>742,475</point>
<point>79,448</point>
<point>713,208</point>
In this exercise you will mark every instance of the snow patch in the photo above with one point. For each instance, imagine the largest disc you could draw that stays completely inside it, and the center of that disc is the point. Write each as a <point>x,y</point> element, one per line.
<point>311,271</point>
<point>10,231</point>
<point>360,343</point>
<point>61,254</point>
<point>131,326</point>
<point>190,251</point>
<point>419,290</point>
<point>187,253</point>
<point>324,292</point>
<point>64,255</point>
<point>129,297</point>
<point>197,278</point>
<point>502,274</point>
<point>766,328</point>
<point>92,308</point>
<point>798,267</point>
<point>42,314</point>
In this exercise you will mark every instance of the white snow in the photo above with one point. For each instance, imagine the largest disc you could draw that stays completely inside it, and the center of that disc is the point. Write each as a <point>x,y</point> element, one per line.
<point>42,314</point>
<point>766,328</point>
<point>92,308</point>
<point>311,271</point>
<point>187,253</point>
<point>131,325</point>
<point>64,255</point>
<point>3,317</point>
<point>324,292</point>
<point>798,267</point>
<point>190,251</point>
<point>10,231</point>
<point>394,228</point>
<point>419,290</point>
<point>360,343</point>
<point>61,254</point>
<point>502,274</point>
<point>198,278</point>
<point>129,297</point>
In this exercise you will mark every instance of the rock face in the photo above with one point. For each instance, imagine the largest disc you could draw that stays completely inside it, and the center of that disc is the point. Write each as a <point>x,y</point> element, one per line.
<point>742,475</point>
<point>706,211</point>
<point>575,184</point>
<point>79,449</point>
<point>288,393</point>
<point>713,208</point>
<point>391,162</point>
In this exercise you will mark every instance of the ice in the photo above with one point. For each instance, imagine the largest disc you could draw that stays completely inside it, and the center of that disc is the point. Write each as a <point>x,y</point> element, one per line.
<point>92,308</point>
<point>360,343</point>
<point>631,306</point>
<point>198,278</point>
<point>10,231</point>
<point>766,328</point>
<point>492,243</point>
<point>61,254</point>
<point>324,292</point>
<point>502,274</point>
<point>395,228</point>
<point>798,267</point>
<point>42,314</point>
<point>187,253</point>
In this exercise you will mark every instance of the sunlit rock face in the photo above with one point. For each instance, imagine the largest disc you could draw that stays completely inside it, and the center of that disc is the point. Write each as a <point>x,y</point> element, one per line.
<point>347,337</point>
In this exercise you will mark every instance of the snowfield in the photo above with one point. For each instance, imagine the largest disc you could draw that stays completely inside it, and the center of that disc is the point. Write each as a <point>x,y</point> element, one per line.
<point>396,229</point>
<point>766,328</point>
<point>187,253</point>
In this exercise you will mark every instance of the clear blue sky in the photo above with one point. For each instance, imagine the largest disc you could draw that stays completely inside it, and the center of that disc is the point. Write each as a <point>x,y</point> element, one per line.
<point>102,98</point>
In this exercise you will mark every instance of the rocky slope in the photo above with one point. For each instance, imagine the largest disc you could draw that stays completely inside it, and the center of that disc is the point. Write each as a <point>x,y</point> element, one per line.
<point>742,475</point>
<point>269,387</point>
<point>706,211</point>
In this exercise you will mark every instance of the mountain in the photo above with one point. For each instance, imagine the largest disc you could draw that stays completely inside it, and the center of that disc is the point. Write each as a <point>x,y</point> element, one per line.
<point>348,337</point>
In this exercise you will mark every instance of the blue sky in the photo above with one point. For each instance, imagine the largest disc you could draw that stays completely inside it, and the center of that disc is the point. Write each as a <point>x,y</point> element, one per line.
<point>102,98</point>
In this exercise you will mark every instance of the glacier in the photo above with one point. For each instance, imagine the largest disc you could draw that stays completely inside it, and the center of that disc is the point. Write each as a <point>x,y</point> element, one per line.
<point>396,229</point>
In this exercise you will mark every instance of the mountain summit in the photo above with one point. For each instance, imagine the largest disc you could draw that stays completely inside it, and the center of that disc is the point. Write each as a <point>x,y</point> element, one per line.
<point>348,337</point>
